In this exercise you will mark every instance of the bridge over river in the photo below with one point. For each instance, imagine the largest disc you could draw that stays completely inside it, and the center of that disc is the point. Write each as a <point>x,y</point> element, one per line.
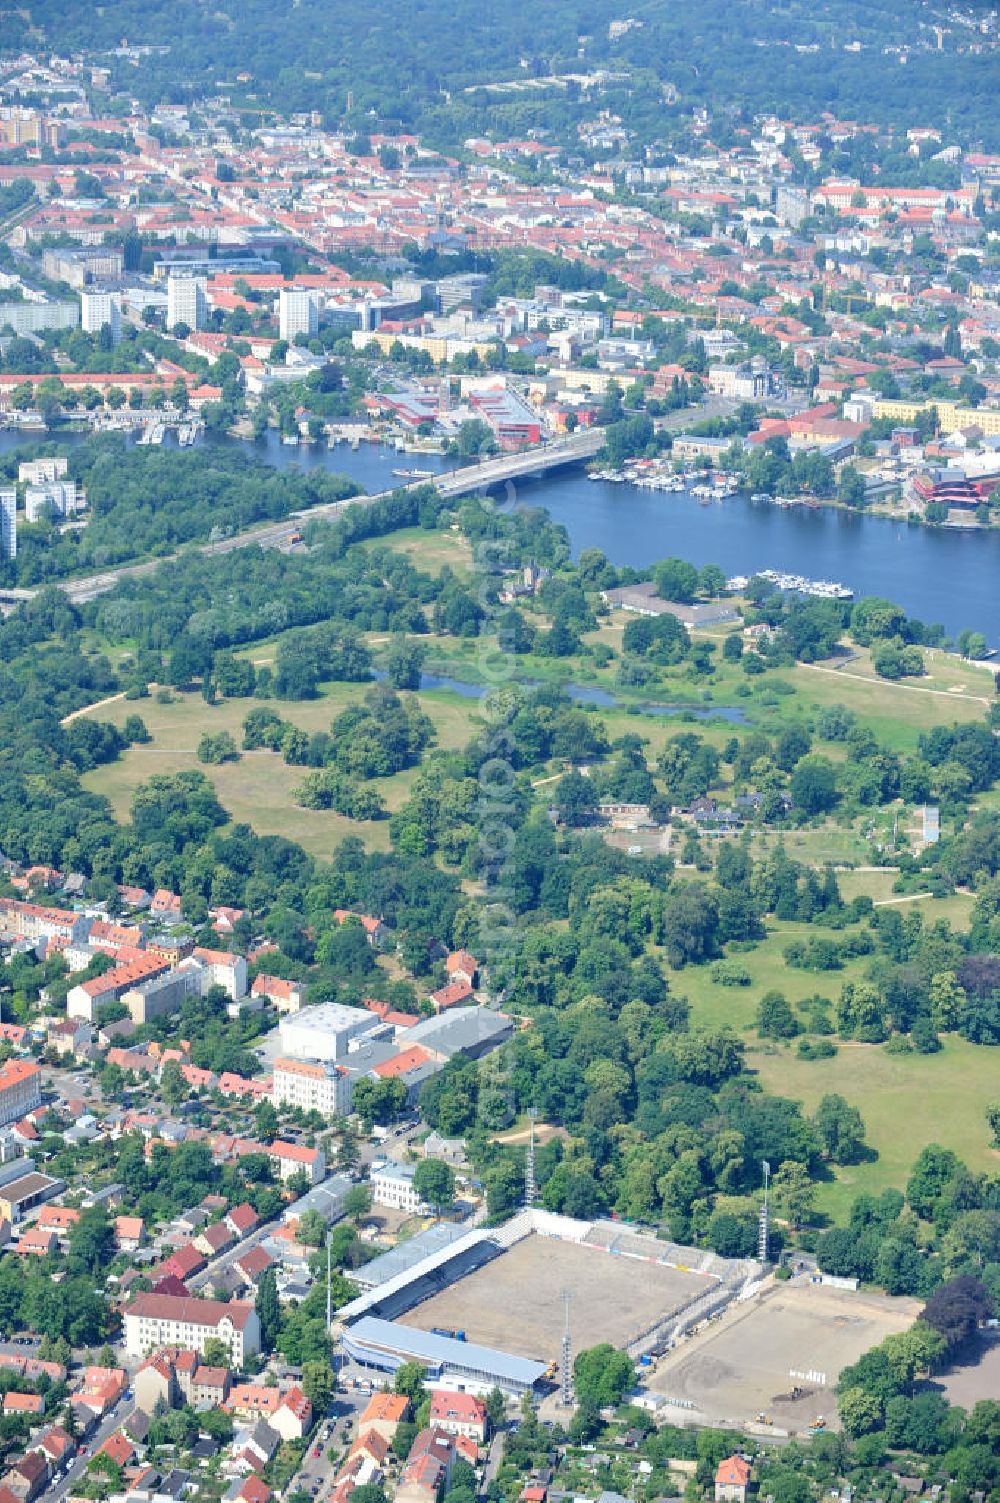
<point>489,474</point>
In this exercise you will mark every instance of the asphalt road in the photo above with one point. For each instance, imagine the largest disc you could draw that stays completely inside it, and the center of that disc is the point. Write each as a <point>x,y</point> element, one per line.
<point>316,1474</point>
<point>110,1423</point>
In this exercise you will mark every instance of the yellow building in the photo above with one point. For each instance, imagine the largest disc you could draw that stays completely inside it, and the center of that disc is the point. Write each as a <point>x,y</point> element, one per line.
<point>951,415</point>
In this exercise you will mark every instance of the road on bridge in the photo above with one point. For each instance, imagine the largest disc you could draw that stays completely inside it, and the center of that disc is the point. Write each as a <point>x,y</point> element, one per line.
<point>486,475</point>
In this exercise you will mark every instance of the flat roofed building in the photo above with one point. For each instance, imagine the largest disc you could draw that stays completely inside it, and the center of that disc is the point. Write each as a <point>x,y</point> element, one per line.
<point>324,1031</point>
<point>386,1344</point>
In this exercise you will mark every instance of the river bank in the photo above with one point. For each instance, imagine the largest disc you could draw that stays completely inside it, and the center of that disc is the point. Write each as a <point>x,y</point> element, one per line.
<point>937,574</point>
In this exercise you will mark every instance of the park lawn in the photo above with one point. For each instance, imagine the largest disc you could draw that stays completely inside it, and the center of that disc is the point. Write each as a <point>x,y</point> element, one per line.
<point>828,844</point>
<point>430,552</point>
<point>259,788</point>
<point>897,713</point>
<point>906,1100</point>
<point>717,1006</point>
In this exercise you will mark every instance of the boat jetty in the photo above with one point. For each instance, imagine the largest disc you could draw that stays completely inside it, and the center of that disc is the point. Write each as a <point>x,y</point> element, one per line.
<point>795,584</point>
<point>657,475</point>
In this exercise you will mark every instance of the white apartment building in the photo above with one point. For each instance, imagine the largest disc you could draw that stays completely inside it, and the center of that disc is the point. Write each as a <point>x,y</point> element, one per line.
<point>298,313</point>
<point>57,498</point>
<point>313,1085</point>
<point>8,522</point>
<point>393,1187</point>
<point>155,1320</point>
<point>98,309</point>
<point>187,302</point>
<point>224,968</point>
<point>40,471</point>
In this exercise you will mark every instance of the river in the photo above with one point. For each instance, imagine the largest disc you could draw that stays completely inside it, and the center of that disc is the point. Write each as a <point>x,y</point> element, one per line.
<point>936,574</point>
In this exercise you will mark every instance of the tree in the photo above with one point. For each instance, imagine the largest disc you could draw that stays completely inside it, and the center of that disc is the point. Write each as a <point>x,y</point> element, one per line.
<point>268,1309</point>
<point>841,1129</point>
<point>312,1229</point>
<point>134,731</point>
<point>775,1019</point>
<point>860,1412</point>
<point>409,1380</point>
<point>814,785</point>
<point>318,1385</point>
<point>496,1407</point>
<point>574,798</point>
<point>357,1202</point>
<point>794,1191</point>
<point>265,1121</point>
<point>993,1120</point>
<point>434,1181</point>
<point>676,580</point>
<point>851,487</point>
<point>956,1310</point>
<point>216,1352</point>
<point>173,1086</point>
<point>403,662</point>
<point>602,1375</point>
<point>91,1243</point>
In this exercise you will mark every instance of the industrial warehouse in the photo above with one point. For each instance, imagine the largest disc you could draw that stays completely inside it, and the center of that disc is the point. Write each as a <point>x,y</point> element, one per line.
<point>497,1307</point>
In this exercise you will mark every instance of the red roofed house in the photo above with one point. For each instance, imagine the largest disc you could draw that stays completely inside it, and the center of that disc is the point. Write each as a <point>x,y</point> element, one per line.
<point>294,1415</point>
<point>118,1448</point>
<point>28,1477</point>
<point>455,994</point>
<point>461,966</point>
<point>242,1219</point>
<point>57,1443</point>
<point>186,1261</point>
<point>459,1414</point>
<point>165,905</point>
<point>23,1403</point>
<point>732,1480</point>
<point>375,929</point>
<point>129,1232</point>
<point>287,996</point>
<point>214,1239</point>
<point>292,1157</point>
<point>254,1490</point>
<point>251,1264</point>
<point>383,1413</point>
<point>427,1471</point>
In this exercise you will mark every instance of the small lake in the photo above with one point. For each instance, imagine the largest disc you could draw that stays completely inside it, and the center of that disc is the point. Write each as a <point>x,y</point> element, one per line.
<point>586,694</point>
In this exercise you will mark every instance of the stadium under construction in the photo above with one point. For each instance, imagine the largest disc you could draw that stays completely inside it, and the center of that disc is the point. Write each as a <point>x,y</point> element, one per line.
<point>488,1307</point>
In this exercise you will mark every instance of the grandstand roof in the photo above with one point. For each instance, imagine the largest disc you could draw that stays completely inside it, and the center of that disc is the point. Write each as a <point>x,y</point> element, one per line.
<point>408,1254</point>
<point>446,1352</point>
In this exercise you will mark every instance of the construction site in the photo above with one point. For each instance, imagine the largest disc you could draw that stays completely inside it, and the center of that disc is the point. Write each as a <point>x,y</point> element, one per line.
<point>540,1285</point>
<point>771,1362</point>
<point>612,1297</point>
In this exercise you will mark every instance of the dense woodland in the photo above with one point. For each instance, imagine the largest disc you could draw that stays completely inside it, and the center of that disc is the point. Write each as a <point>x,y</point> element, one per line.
<point>412,68</point>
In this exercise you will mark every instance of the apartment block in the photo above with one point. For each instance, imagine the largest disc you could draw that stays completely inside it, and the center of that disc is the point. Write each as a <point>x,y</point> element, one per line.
<point>313,1085</point>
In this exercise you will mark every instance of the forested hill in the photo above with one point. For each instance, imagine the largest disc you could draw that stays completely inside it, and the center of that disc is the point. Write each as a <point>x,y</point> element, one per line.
<point>411,60</point>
